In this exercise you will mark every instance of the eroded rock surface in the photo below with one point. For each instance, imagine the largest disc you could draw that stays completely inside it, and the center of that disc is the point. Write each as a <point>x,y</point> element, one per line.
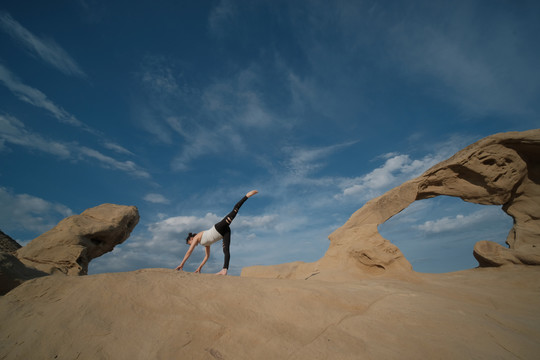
<point>13,272</point>
<point>502,169</point>
<point>489,313</point>
<point>70,245</point>
<point>7,244</point>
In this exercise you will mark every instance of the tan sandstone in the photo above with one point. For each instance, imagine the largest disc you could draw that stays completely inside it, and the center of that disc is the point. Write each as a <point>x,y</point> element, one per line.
<point>502,169</point>
<point>362,300</point>
<point>487,313</point>
<point>75,241</point>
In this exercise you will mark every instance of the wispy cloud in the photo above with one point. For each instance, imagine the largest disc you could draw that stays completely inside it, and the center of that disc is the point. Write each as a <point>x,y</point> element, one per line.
<point>13,131</point>
<point>304,160</point>
<point>46,49</point>
<point>159,79</point>
<point>37,98</point>
<point>223,115</point>
<point>117,148</point>
<point>156,198</point>
<point>220,15</point>
<point>239,99</point>
<point>476,61</point>
<point>202,142</point>
<point>109,162</point>
<point>29,213</point>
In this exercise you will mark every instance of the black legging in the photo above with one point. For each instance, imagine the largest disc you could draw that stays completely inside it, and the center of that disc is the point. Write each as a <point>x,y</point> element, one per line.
<point>223,228</point>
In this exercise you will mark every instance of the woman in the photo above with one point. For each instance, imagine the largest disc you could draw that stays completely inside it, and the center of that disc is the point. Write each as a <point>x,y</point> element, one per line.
<point>219,231</point>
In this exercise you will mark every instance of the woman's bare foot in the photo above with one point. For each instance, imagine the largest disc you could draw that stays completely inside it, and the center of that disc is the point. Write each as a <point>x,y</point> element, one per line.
<point>251,193</point>
<point>222,272</point>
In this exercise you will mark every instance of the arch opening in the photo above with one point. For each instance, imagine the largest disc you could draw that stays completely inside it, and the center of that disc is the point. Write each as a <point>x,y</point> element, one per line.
<point>437,235</point>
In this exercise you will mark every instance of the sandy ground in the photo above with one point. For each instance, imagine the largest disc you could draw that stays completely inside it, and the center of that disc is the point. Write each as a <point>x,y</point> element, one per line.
<point>163,314</point>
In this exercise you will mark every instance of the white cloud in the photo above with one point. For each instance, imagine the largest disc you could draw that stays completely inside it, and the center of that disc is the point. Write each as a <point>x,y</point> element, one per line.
<point>13,131</point>
<point>109,162</point>
<point>444,224</point>
<point>37,98</point>
<point>29,213</point>
<point>175,226</point>
<point>46,49</point>
<point>163,244</point>
<point>438,234</point>
<point>245,223</point>
<point>399,168</point>
<point>396,170</point>
<point>117,148</point>
<point>461,222</point>
<point>156,198</point>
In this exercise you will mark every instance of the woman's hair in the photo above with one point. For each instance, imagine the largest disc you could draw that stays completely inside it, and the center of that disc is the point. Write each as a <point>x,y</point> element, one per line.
<point>189,237</point>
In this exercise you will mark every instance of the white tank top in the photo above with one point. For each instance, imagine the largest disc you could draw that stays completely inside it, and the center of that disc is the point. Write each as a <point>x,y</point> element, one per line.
<point>210,236</point>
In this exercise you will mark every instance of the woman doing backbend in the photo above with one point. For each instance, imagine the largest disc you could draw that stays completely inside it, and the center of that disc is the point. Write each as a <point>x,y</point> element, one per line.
<point>219,231</point>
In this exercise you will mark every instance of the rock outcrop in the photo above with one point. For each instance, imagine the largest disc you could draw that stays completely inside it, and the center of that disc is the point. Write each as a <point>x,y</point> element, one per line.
<point>482,313</point>
<point>502,169</point>
<point>70,245</point>
<point>13,273</point>
<point>489,313</point>
<point>7,244</point>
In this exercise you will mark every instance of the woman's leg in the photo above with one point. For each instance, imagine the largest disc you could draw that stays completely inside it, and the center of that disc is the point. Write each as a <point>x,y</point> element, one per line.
<point>223,226</point>
<point>226,253</point>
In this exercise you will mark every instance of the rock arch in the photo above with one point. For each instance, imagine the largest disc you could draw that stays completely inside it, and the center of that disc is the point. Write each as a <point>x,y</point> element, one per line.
<point>437,235</point>
<point>502,169</point>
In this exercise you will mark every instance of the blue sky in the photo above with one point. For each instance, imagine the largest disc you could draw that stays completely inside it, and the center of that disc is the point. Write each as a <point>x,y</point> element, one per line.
<point>181,107</point>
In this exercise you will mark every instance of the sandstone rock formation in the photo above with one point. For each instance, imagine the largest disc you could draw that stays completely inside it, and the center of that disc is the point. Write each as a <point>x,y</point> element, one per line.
<point>489,313</point>
<point>13,273</point>
<point>377,309</point>
<point>502,169</point>
<point>7,244</point>
<point>70,245</point>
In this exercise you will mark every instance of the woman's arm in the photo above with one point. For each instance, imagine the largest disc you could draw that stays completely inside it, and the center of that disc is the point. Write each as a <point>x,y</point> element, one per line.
<point>206,256</point>
<point>194,243</point>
